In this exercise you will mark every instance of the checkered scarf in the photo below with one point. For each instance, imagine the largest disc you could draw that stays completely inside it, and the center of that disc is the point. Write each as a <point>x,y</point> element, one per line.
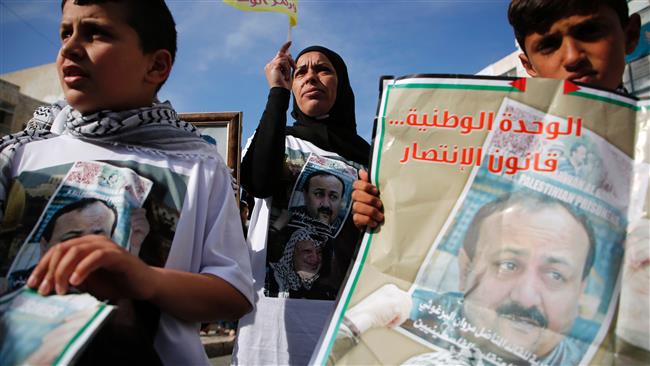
<point>285,272</point>
<point>152,129</point>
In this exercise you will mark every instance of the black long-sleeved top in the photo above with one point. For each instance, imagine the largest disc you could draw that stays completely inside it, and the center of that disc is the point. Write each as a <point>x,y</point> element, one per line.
<point>261,167</point>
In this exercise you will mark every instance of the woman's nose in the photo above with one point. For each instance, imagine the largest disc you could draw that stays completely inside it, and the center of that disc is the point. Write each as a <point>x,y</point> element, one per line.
<point>310,76</point>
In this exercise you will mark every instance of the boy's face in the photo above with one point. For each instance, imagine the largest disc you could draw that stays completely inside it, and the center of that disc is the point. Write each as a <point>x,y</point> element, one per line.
<point>584,48</point>
<point>101,64</point>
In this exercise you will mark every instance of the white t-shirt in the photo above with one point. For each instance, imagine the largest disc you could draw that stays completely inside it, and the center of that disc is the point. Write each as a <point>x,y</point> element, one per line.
<point>286,323</point>
<point>193,217</point>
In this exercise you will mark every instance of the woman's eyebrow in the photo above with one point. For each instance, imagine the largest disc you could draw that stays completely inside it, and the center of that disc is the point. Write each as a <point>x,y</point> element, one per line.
<point>317,63</point>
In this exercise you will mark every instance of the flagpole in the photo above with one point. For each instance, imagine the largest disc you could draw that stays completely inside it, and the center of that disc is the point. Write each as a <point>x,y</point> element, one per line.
<point>289,33</point>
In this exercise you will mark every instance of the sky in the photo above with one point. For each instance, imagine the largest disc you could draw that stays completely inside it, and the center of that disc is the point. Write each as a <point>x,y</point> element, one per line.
<point>222,51</point>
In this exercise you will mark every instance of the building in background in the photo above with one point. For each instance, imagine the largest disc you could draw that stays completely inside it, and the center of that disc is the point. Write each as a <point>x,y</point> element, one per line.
<point>15,108</point>
<point>23,91</point>
<point>637,73</point>
<point>507,66</point>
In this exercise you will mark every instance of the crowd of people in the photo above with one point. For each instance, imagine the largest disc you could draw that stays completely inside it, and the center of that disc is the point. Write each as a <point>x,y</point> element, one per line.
<point>203,259</point>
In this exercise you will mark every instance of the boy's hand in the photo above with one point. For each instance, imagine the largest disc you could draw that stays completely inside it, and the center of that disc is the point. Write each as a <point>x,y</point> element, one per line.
<point>278,71</point>
<point>97,265</point>
<point>366,206</point>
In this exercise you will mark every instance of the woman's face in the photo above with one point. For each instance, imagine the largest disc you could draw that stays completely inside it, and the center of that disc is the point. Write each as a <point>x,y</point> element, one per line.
<point>314,84</point>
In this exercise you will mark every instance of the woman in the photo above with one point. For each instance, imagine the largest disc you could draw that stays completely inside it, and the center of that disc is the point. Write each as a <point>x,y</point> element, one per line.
<point>301,178</point>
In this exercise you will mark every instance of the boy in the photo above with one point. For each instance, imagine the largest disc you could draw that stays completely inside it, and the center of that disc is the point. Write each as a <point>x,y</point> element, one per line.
<point>193,265</point>
<point>581,40</point>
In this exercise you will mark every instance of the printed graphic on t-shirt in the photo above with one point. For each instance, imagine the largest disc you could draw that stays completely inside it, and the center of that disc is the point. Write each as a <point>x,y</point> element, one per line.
<point>136,206</point>
<point>310,240</point>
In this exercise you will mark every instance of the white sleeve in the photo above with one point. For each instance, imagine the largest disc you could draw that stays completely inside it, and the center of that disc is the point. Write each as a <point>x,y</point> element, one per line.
<point>209,234</point>
<point>208,239</point>
<point>225,253</point>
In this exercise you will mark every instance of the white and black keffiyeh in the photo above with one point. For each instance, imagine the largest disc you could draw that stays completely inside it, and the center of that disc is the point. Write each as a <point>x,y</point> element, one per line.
<point>44,116</point>
<point>154,129</point>
<point>284,271</point>
<point>38,128</point>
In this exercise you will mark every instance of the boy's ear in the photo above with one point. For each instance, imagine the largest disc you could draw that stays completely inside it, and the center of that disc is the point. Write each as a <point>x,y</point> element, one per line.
<point>527,65</point>
<point>632,33</point>
<point>159,67</point>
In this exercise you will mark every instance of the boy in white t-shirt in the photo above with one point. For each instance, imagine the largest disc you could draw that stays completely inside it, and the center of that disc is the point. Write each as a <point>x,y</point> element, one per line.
<point>114,57</point>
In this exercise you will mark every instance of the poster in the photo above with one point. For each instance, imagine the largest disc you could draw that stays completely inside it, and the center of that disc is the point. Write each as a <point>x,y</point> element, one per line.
<point>94,198</point>
<point>307,255</point>
<point>508,209</point>
<point>47,330</point>
<point>137,205</point>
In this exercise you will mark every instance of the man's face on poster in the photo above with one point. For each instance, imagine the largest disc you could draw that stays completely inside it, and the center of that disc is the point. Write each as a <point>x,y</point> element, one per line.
<point>526,277</point>
<point>307,259</point>
<point>323,197</point>
<point>579,156</point>
<point>93,219</point>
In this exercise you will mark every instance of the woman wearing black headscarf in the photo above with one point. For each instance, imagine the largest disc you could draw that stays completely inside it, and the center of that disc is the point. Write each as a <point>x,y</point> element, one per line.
<point>301,177</point>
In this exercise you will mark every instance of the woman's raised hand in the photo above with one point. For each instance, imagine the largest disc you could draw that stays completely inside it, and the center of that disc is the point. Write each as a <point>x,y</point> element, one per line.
<point>278,71</point>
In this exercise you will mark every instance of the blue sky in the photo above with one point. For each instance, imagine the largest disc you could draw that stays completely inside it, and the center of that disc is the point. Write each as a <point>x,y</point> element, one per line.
<point>222,50</point>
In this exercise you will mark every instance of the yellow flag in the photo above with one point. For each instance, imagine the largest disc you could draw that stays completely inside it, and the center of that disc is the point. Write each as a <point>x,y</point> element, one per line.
<point>289,7</point>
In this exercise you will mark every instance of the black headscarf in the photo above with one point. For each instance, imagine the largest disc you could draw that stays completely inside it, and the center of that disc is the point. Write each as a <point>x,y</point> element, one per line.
<point>337,132</point>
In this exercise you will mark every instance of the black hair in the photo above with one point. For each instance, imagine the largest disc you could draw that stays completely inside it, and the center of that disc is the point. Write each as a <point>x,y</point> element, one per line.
<point>151,20</point>
<point>535,202</point>
<point>77,205</point>
<point>537,16</point>
<point>318,173</point>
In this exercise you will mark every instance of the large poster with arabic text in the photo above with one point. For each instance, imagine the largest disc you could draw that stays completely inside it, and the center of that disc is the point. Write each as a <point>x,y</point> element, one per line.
<point>514,215</point>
